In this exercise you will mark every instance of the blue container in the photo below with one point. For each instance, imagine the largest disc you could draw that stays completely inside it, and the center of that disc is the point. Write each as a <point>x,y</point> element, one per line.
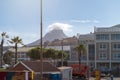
<point>55,76</point>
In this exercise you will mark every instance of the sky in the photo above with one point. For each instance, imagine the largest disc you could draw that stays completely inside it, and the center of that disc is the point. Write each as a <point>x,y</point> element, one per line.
<point>22,17</point>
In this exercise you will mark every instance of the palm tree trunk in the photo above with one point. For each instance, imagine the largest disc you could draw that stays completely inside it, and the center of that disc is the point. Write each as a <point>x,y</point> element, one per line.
<point>79,55</point>
<point>15,53</point>
<point>1,52</point>
<point>80,58</point>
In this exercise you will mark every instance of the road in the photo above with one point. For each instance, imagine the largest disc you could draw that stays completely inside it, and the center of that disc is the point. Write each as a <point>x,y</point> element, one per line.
<point>105,78</point>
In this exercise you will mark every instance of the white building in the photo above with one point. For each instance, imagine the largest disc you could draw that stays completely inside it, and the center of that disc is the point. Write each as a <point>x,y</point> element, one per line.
<point>103,48</point>
<point>22,53</point>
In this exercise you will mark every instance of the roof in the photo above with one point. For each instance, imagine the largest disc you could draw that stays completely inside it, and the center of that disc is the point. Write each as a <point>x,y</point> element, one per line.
<point>64,42</point>
<point>118,25</point>
<point>21,49</point>
<point>87,36</point>
<point>65,48</point>
<point>35,66</point>
<point>64,68</point>
<point>115,28</point>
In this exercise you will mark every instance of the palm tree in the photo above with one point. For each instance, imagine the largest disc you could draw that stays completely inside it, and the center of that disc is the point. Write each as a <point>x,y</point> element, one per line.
<point>2,42</point>
<point>16,40</point>
<point>81,49</point>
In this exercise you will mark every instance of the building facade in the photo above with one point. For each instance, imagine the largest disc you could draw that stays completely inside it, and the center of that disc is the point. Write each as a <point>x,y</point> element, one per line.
<point>88,58</point>
<point>103,48</point>
<point>107,47</point>
<point>21,53</point>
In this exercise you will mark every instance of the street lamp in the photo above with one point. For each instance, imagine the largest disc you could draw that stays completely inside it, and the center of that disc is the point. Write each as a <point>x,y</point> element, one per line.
<point>41,52</point>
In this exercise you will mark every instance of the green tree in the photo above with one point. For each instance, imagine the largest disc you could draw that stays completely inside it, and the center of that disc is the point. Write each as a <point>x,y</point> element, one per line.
<point>7,57</point>
<point>59,54</point>
<point>81,49</point>
<point>16,40</point>
<point>55,55</point>
<point>4,35</point>
<point>34,53</point>
<point>49,53</point>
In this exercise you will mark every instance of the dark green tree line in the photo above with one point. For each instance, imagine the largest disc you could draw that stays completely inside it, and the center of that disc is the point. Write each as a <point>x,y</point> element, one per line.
<point>34,53</point>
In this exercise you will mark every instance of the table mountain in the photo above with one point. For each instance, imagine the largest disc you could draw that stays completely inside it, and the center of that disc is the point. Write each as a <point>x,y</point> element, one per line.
<point>50,36</point>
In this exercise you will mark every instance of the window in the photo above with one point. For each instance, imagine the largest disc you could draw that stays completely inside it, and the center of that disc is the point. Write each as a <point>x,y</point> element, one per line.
<point>91,51</point>
<point>19,55</point>
<point>102,37</point>
<point>103,55</point>
<point>22,55</point>
<point>116,46</point>
<point>115,36</point>
<point>102,46</point>
<point>116,55</point>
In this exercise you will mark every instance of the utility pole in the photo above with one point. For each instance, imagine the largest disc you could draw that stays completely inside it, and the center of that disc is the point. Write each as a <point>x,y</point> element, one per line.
<point>41,52</point>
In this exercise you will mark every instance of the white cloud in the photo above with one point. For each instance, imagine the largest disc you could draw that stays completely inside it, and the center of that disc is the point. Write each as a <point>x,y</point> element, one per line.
<point>85,21</point>
<point>96,21</point>
<point>63,26</point>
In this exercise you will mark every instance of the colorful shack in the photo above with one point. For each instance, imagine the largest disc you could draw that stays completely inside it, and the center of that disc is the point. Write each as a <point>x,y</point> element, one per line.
<point>33,69</point>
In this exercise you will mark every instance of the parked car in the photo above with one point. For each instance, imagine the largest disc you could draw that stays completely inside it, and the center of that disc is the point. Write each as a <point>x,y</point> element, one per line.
<point>5,66</point>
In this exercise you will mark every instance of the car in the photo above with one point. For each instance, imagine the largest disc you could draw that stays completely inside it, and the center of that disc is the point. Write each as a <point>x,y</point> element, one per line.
<point>5,66</point>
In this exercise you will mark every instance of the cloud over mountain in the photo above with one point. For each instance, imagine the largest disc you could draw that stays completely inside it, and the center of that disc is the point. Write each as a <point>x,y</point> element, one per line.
<point>65,27</point>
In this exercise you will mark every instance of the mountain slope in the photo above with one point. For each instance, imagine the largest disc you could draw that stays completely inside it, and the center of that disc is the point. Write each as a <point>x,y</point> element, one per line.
<point>50,36</point>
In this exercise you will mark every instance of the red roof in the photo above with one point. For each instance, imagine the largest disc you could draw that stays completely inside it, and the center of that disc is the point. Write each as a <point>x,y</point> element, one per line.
<point>35,66</point>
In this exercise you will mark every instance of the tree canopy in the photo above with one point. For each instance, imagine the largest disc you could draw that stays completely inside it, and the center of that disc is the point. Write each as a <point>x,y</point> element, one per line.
<point>8,57</point>
<point>34,53</point>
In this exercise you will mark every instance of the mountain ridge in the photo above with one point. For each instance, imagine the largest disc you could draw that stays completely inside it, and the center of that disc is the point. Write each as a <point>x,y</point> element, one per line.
<point>50,36</point>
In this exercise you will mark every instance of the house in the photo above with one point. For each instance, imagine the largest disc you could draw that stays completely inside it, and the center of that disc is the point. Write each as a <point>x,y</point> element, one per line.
<point>35,66</point>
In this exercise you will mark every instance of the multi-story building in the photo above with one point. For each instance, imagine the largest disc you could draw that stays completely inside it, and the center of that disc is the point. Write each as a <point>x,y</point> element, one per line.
<point>107,47</point>
<point>103,48</point>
